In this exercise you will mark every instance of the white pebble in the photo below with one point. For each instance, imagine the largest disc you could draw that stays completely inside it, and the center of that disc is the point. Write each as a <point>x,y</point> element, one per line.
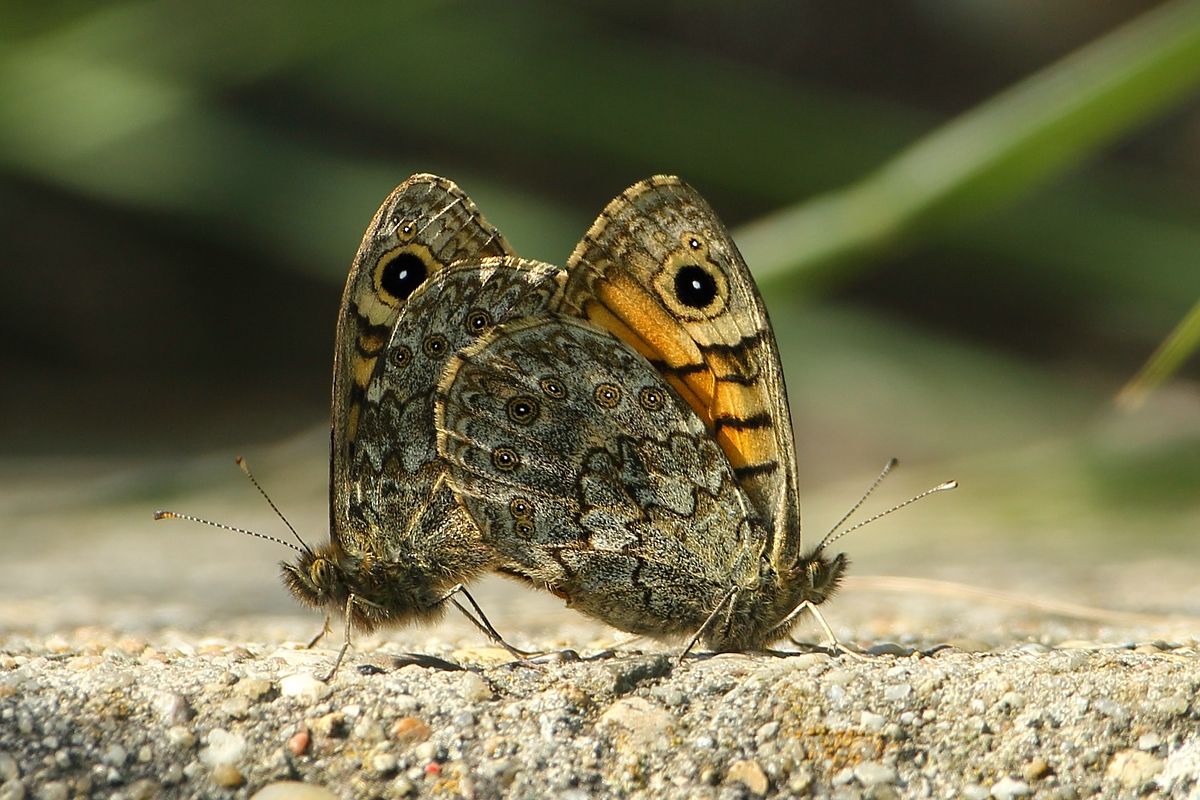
<point>1006,789</point>
<point>172,709</point>
<point>872,773</point>
<point>223,748</point>
<point>897,692</point>
<point>304,686</point>
<point>293,790</point>
<point>871,722</point>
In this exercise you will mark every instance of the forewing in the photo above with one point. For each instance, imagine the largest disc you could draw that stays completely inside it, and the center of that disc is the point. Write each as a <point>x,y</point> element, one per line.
<point>425,225</point>
<point>659,269</point>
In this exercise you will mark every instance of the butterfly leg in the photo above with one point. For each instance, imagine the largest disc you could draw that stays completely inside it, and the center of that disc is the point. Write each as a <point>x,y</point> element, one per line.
<point>345,641</point>
<point>480,620</point>
<point>727,600</point>
<point>321,635</point>
<point>833,640</point>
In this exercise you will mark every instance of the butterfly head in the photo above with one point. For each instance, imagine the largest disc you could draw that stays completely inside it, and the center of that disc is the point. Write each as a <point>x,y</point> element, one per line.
<point>318,578</point>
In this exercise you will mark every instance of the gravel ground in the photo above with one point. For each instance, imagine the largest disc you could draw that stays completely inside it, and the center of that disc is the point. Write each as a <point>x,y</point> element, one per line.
<point>97,713</point>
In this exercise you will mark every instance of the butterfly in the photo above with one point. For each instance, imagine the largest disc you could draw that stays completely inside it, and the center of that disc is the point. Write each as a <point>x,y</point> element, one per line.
<point>633,451</point>
<point>430,277</point>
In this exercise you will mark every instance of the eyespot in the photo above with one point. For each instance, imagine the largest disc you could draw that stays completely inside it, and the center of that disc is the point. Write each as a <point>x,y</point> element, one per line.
<point>524,528</point>
<point>694,286</point>
<point>520,508</point>
<point>505,459</point>
<point>553,388</point>
<point>400,356</point>
<point>401,276</point>
<point>652,399</point>
<point>478,321</point>
<point>607,395</point>
<point>694,243</point>
<point>522,410</point>
<point>435,346</point>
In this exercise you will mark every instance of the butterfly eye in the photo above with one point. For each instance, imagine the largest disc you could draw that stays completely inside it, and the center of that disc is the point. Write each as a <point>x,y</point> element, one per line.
<point>401,276</point>
<point>319,573</point>
<point>505,459</point>
<point>478,321</point>
<point>520,508</point>
<point>435,345</point>
<point>608,395</point>
<point>651,399</point>
<point>694,286</point>
<point>522,410</point>
<point>553,388</point>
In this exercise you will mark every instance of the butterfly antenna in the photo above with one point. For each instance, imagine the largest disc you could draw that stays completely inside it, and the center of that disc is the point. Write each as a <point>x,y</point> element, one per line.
<point>241,462</point>
<point>173,515</point>
<point>891,465</point>
<point>831,538</point>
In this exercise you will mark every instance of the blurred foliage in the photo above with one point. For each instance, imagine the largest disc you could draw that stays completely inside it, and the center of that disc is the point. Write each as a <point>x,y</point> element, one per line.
<point>270,131</point>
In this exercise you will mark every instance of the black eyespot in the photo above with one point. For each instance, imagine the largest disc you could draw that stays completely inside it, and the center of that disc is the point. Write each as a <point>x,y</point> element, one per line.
<point>400,356</point>
<point>435,346</point>
<point>520,508</point>
<point>505,459</point>
<point>694,243</point>
<point>694,286</point>
<point>524,528</point>
<point>522,410</point>
<point>608,395</point>
<point>478,321</point>
<point>402,275</point>
<point>553,388</point>
<point>651,399</point>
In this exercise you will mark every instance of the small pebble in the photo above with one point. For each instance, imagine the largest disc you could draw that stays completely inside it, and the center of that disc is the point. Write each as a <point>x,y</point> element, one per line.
<point>749,774</point>
<point>252,688</point>
<point>1007,788</point>
<point>224,748</point>
<point>426,751</point>
<point>12,790</point>
<point>298,742</point>
<point>53,790</point>
<point>410,729</point>
<point>143,789</point>
<point>1035,769</point>
<point>180,737</point>
<point>871,722</point>
<point>383,764</point>
<point>897,692</point>
<point>474,689</point>
<point>1150,741</point>
<point>172,709</point>
<point>293,790</point>
<point>1133,769</point>
<point>227,775</point>
<point>304,687</point>
<point>9,771</point>
<point>872,773</point>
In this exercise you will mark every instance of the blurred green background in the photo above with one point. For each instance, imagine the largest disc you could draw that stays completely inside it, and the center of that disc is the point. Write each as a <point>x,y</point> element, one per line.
<point>973,221</point>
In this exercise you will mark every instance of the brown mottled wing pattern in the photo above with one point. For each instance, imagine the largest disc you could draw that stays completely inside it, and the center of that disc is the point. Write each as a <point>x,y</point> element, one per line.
<point>400,505</point>
<point>426,224</point>
<point>659,270</point>
<point>591,475</point>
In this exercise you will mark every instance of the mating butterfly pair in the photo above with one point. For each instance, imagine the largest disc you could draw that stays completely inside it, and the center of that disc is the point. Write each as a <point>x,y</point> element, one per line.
<point>616,432</point>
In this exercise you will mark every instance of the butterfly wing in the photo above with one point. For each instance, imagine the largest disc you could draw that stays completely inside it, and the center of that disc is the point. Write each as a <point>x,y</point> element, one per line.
<point>659,269</point>
<point>590,474</point>
<point>398,498</point>
<point>425,225</point>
